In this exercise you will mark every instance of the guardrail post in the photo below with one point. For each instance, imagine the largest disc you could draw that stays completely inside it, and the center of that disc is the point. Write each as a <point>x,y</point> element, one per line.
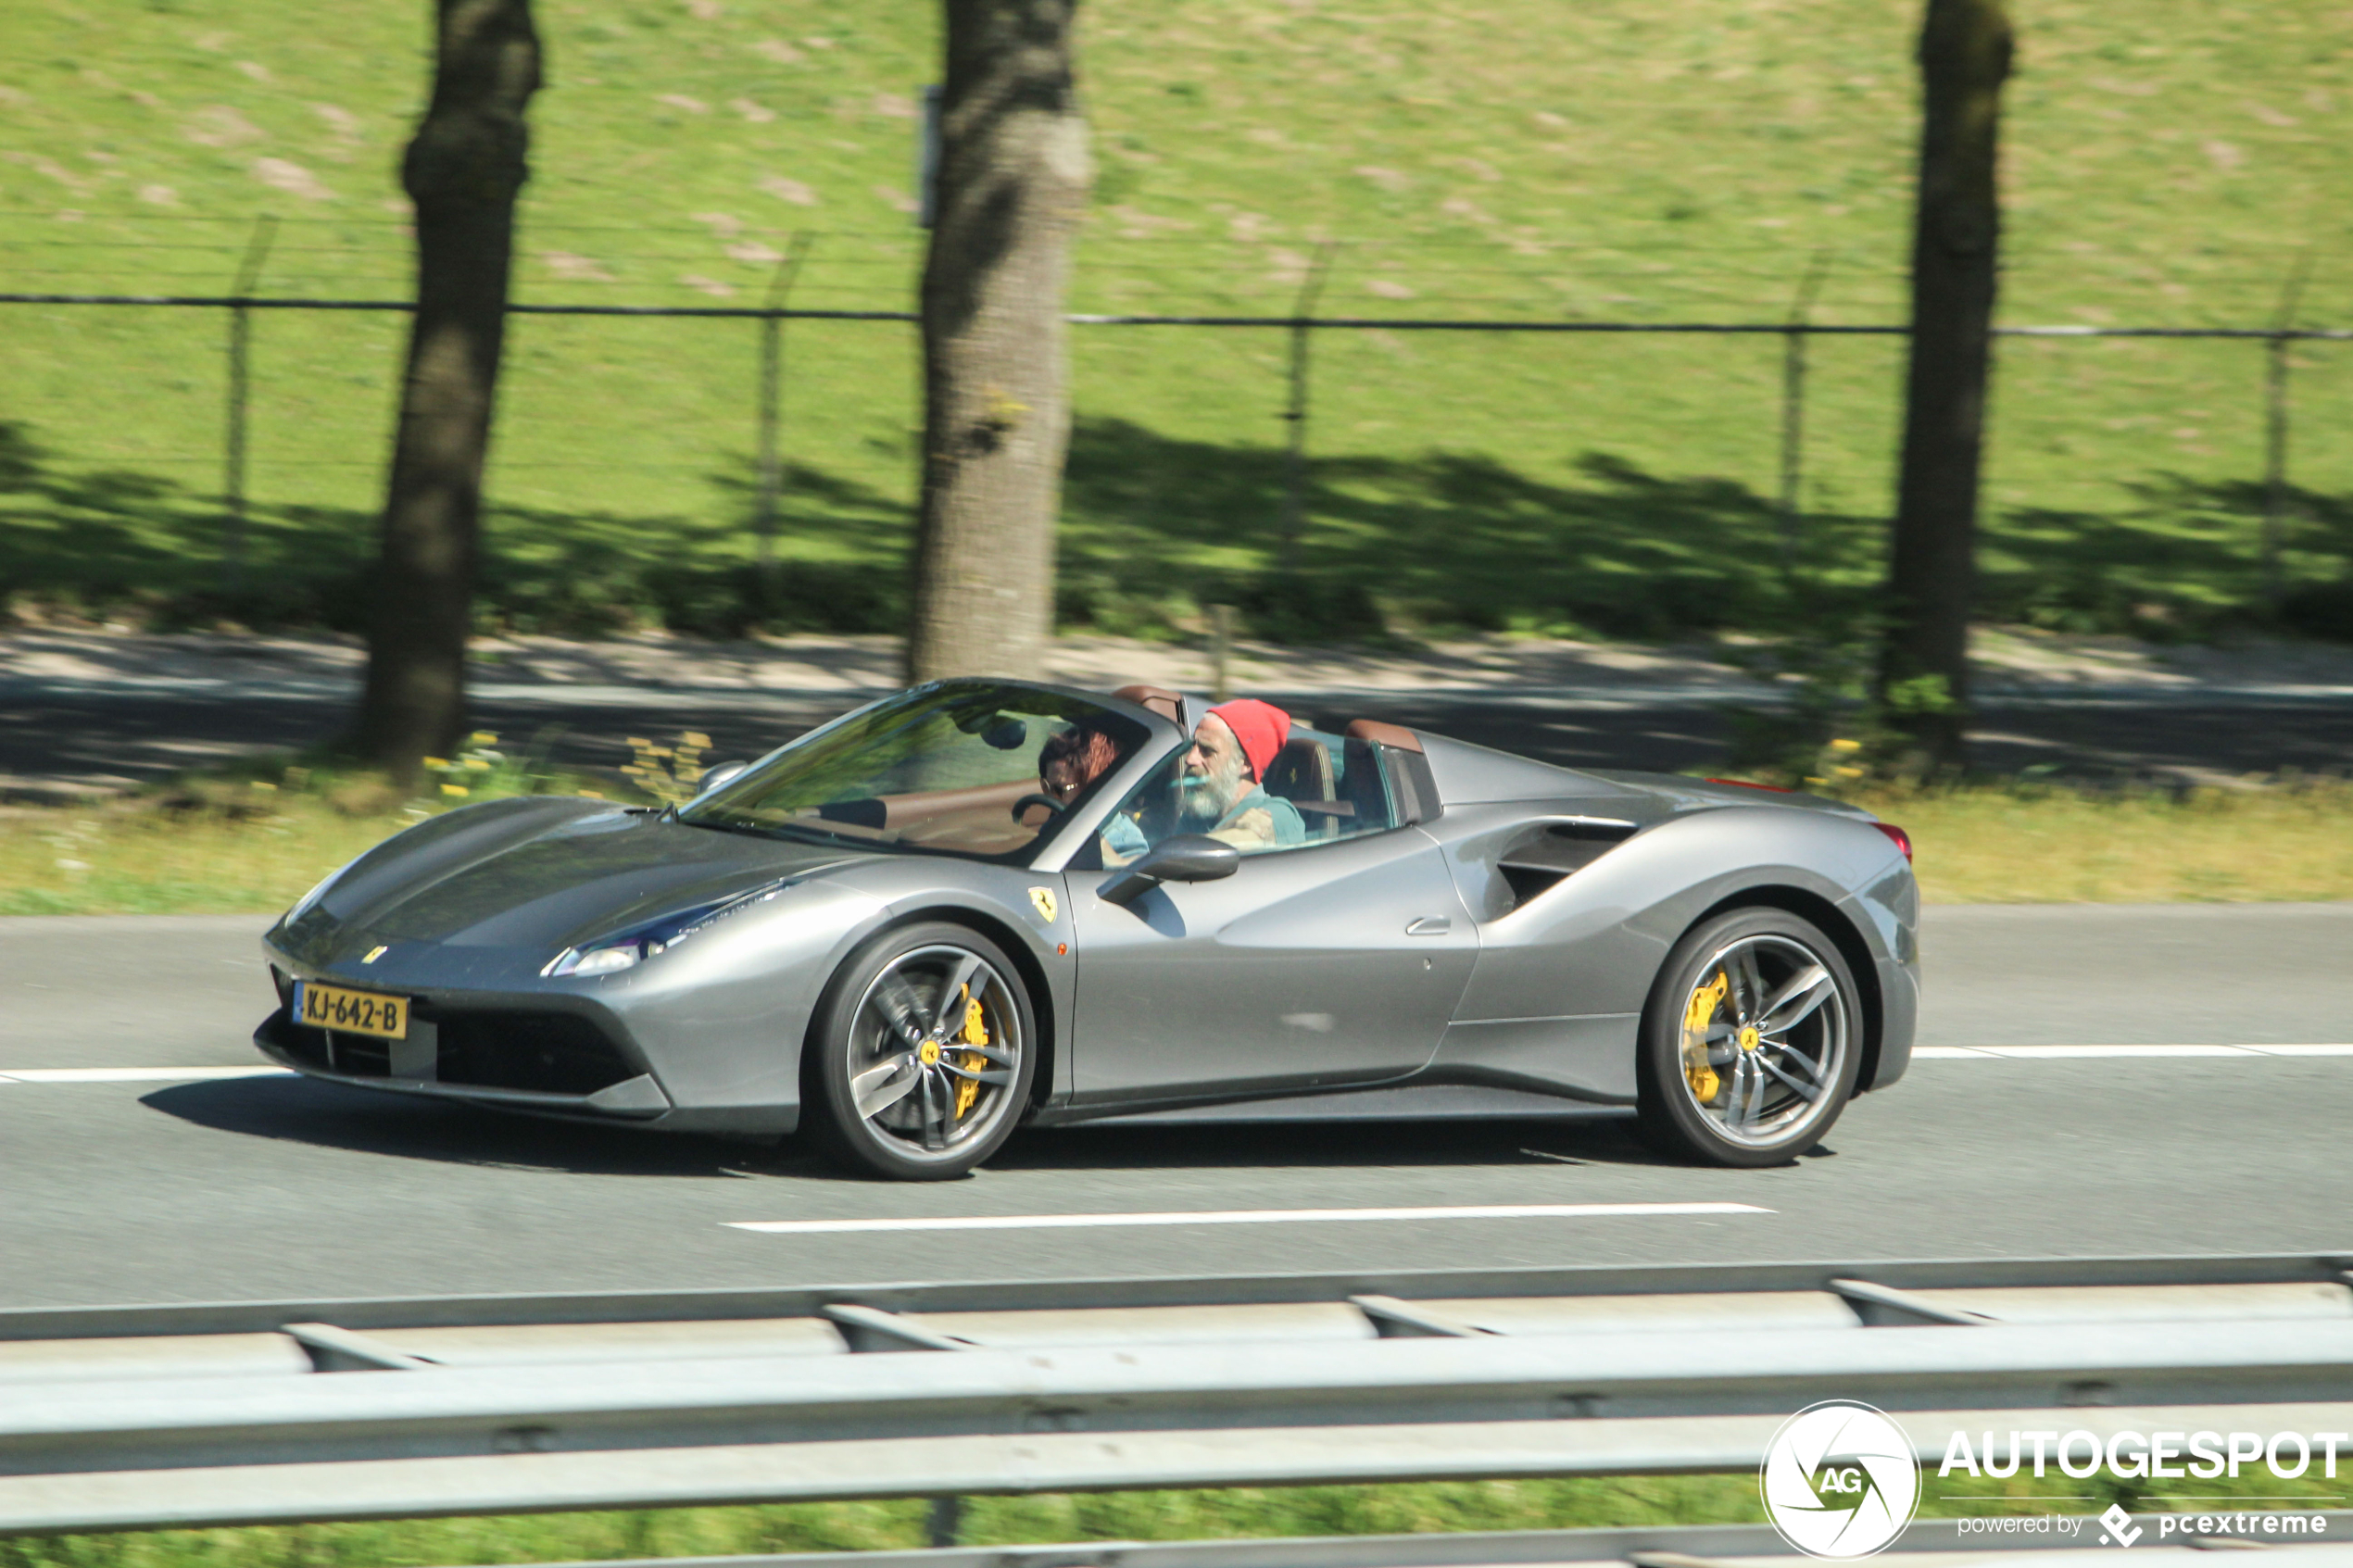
<point>772,372</point>
<point>2278,347</point>
<point>1295,413</point>
<point>233,482</point>
<point>1794,405</point>
<point>945,1520</point>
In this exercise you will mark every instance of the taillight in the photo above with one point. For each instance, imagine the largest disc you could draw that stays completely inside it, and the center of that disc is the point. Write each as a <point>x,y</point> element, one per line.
<point>1751,783</point>
<point>1898,838</point>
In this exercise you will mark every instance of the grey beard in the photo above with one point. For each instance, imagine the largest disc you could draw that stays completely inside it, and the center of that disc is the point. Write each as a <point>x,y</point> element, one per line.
<point>1212,797</point>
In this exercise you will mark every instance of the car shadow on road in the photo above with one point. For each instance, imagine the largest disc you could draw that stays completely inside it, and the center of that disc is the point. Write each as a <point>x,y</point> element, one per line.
<point>400,1127</point>
<point>1585,1140</point>
<point>396,1126</point>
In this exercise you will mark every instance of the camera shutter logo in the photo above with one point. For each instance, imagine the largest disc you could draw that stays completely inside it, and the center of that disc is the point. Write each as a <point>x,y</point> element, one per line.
<point>1839,1480</point>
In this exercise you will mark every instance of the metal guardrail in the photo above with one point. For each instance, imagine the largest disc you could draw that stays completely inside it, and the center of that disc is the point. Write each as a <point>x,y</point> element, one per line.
<point>217,1414</point>
<point>1688,1545</point>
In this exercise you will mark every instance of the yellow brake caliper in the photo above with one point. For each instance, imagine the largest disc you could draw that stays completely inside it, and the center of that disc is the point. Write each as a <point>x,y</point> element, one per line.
<point>1696,1018</point>
<point>976,1032</point>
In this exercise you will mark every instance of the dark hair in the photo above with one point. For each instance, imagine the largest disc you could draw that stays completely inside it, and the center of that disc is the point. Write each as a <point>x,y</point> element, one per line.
<point>1068,763</point>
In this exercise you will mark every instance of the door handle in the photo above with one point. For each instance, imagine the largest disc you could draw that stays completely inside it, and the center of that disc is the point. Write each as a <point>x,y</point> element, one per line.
<point>1429,925</point>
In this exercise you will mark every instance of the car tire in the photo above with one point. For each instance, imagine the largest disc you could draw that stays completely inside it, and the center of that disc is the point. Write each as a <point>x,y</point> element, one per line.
<point>895,1040</point>
<point>1751,1040</point>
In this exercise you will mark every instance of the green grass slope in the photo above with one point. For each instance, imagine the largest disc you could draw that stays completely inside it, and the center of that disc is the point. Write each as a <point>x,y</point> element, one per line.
<point>2167,162</point>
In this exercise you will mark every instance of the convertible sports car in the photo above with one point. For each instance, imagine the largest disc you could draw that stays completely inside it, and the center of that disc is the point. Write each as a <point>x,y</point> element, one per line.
<point>982,903</point>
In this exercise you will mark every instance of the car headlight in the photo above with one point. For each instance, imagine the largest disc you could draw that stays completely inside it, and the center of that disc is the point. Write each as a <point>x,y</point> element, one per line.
<point>626,950</point>
<point>597,960</point>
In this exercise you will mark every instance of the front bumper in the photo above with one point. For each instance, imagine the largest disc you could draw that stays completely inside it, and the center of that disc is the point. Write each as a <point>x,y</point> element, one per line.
<point>555,1064</point>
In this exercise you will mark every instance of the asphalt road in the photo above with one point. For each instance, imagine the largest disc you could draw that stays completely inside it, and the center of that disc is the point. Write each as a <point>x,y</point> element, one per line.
<point>273,1187</point>
<point>80,736</point>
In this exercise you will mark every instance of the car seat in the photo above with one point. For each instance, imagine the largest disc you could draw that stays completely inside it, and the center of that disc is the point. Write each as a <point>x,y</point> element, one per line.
<point>1302,774</point>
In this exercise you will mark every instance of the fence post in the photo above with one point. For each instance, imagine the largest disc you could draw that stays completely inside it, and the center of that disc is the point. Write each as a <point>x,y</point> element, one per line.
<point>232,484</point>
<point>1221,651</point>
<point>1793,404</point>
<point>2277,347</point>
<point>771,369</point>
<point>1295,459</point>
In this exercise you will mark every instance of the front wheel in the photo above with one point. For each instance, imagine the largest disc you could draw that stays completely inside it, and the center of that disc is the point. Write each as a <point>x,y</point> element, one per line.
<point>919,1062</point>
<point>1751,1040</point>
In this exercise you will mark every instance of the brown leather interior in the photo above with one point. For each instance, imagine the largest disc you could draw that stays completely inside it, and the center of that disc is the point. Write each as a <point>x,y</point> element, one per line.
<point>980,816</point>
<point>1301,770</point>
<point>1394,735</point>
<point>1156,699</point>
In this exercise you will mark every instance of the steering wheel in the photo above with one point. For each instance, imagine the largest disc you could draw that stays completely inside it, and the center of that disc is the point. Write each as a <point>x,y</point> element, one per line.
<point>1036,797</point>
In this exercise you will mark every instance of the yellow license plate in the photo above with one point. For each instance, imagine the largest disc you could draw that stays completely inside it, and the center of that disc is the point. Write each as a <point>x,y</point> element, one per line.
<point>352,1012</point>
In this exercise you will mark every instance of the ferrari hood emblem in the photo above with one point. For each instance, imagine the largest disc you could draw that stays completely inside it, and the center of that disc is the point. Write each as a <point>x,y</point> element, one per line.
<point>1043,898</point>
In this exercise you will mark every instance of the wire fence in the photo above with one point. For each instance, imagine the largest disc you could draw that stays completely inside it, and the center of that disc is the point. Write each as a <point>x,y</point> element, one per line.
<point>1489,292</point>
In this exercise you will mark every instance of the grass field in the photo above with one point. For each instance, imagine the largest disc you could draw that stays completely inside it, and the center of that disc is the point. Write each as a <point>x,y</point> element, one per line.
<point>2168,162</point>
<point>229,848</point>
<point>1308,1510</point>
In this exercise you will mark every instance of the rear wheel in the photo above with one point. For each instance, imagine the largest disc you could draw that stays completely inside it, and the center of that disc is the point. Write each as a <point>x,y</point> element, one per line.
<point>1751,1040</point>
<point>920,1059</point>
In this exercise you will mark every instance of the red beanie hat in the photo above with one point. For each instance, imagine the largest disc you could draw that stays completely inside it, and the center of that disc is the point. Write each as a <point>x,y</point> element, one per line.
<point>1261,727</point>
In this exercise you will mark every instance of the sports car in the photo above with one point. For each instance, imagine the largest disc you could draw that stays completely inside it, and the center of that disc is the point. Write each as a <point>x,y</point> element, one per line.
<point>980,904</point>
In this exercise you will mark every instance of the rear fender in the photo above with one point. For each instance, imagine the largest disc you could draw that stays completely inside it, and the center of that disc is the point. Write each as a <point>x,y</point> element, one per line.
<point>1594,942</point>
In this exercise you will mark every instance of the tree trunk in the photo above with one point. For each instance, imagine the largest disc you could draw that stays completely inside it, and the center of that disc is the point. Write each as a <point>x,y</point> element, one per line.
<point>463,170</point>
<point>1923,677</point>
<point>1011,185</point>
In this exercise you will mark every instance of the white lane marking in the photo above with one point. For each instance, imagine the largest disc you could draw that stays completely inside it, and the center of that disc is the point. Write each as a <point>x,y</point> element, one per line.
<point>2045,1053</point>
<point>1239,1217</point>
<point>133,1075</point>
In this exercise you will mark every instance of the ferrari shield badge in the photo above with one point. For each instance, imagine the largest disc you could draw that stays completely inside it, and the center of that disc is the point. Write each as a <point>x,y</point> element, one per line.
<point>1043,898</point>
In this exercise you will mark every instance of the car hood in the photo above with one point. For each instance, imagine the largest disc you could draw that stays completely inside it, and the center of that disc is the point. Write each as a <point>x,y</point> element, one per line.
<point>540,873</point>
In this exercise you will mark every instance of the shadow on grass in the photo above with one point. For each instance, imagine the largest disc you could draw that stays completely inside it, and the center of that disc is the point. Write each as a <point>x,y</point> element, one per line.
<point>1440,539</point>
<point>115,543</point>
<point>2185,561</point>
<point>1154,527</point>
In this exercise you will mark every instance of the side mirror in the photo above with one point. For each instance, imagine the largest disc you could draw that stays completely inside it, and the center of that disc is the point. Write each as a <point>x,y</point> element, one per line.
<point>1189,857</point>
<point>726,772</point>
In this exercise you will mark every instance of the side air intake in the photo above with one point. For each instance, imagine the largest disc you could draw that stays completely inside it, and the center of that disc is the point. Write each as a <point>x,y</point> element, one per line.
<point>1543,859</point>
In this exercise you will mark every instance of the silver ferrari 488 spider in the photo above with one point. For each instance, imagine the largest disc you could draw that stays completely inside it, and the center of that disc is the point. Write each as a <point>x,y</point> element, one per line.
<point>980,904</point>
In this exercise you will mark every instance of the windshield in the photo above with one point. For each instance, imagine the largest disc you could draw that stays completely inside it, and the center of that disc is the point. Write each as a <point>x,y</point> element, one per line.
<point>976,768</point>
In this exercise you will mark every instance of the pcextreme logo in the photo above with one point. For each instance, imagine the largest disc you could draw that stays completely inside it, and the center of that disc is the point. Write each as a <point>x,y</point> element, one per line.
<point>1839,1480</point>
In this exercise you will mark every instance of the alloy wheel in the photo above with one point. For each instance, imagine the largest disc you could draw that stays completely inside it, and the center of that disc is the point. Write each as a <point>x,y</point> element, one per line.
<point>1766,1031</point>
<point>935,1052</point>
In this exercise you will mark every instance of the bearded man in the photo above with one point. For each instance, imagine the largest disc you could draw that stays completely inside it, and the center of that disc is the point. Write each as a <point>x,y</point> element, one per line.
<point>1224,773</point>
